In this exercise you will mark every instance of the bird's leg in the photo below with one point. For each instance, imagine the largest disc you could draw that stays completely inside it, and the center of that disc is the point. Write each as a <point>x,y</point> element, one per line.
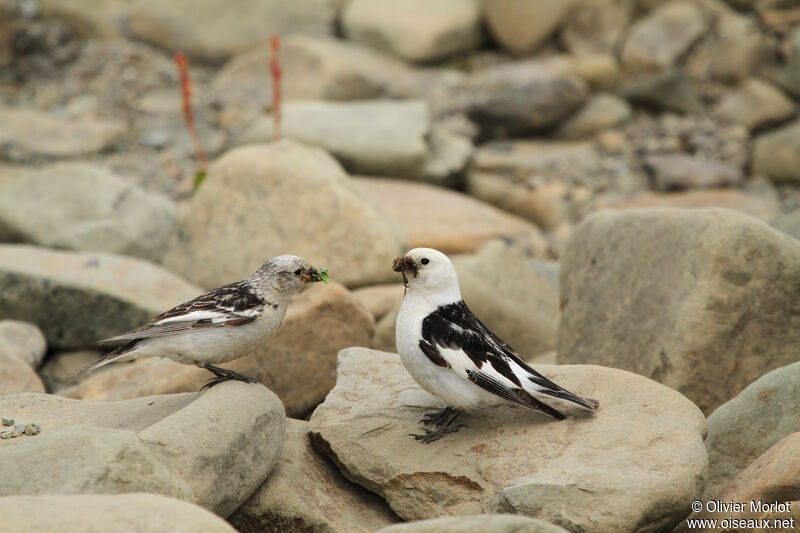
<point>437,418</point>
<point>222,374</point>
<point>444,424</point>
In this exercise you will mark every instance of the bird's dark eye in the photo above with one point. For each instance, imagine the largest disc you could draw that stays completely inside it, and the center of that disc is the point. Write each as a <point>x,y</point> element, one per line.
<point>298,271</point>
<point>424,261</point>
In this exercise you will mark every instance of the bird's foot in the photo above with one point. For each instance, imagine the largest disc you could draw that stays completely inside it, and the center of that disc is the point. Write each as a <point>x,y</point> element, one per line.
<point>443,420</point>
<point>432,435</point>
<point>439,417</point>
<point>222,374</point>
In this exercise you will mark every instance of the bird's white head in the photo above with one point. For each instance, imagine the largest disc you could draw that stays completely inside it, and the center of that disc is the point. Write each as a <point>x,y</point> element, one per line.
<point>430,273</point>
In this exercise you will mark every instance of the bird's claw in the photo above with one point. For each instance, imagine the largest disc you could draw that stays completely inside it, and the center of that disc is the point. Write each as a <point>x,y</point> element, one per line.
<point>431,435</point>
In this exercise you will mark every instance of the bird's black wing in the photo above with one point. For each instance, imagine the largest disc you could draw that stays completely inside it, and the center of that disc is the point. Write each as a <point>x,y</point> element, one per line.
<point>235,304</point>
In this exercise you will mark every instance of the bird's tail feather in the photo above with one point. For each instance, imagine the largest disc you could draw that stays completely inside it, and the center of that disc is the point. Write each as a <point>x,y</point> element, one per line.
<point>563,394</point>
<point>110,357</point>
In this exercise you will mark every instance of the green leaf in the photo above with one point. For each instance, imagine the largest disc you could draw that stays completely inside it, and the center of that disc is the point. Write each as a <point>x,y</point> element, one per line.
<point>322,276</point>
<point>199,178</point>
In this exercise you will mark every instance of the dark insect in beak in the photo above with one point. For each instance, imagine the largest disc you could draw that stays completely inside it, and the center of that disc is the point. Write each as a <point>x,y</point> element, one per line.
<point>405,265</point>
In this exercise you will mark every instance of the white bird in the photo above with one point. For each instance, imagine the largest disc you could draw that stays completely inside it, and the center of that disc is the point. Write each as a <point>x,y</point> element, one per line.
<point>454,356</point>
<point>220,325</point>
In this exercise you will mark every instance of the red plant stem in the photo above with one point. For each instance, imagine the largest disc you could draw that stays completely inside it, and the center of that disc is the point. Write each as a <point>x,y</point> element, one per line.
<point>276,73</point>
<point>182,63</point>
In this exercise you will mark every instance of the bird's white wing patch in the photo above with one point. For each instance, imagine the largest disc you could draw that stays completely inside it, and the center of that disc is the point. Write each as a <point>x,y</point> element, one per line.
<point>194,316</point>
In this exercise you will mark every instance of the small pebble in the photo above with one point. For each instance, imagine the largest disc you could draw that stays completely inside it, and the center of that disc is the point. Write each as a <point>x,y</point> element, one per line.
<point>5,434</point>
<point>18,430</point>
<point>32,429</point>
<point>8,421</point>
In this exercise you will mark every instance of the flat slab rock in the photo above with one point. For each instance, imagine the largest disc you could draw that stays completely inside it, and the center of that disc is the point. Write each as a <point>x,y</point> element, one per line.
<point>636,465</point>
<point>214,449</point>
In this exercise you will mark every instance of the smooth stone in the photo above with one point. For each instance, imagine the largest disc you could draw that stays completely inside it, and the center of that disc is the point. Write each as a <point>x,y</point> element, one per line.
<point>28,135</point>
<point>754,104</point>
<point>81,513</point>
<point>523,96</point>
<point>79,298</point>
<point>682,171</point>
<point>80,206</point>
<point>383,137</point>
<point>602,111</point>
<point>776,154</point>
<point>512,461</point>
<point>692,310</point>
<point>174,25</point>
<point>745,427</point>
<point>314,68</point>
<point>305,492</point>
<point>596,26</point>
<point>24,340</point>
<point>245,196</point>
<point>521,26</point>
<point>214,449</point>
<point>379,299</point>
<point>658,40</point>
<point>758,205</point>
<point>425,215</point>
<point>496,523</point>
<point>440,28</point>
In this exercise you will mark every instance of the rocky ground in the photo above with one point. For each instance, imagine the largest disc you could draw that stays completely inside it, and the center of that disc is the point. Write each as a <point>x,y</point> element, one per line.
<point>617,181</point>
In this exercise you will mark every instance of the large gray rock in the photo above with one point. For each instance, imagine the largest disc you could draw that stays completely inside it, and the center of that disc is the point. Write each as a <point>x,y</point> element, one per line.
<point>601,112</point>
<point>514,461</point>
<point>16,375</point>
<point>415,30</point>
<point>534,179</point>
<point>426,214</point>
<point>685,319</point>
<point>238,24</point>
<point>214,450</point>
<point>265,200</point>
<point>748,425</point>
<point>505,292</point>
<point>596,26</point>
<point>670,91</point>
<point>87,17</point>
<point>524,96</point>
<point>23,340</point>
<point>318,324</point>
<point>789,77</point>
<point>768,488</point>
<point>368,137</point>
<point>314,68</point>
<point>522,25</point>
<point>29,135</point>
<point>755,103</point>
<point>79,206</point>
<point>62,369</point>
<point>305,492</point>
<point>683,171</point>
<point>78,299</point>
<point>496,523</point>
<point>122,513</point>
<point>658,40</point>
<point>776,154</point>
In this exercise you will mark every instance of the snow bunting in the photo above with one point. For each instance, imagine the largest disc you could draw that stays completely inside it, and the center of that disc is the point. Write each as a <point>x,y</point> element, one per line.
<point>454,356</point>
<point>222,324</point>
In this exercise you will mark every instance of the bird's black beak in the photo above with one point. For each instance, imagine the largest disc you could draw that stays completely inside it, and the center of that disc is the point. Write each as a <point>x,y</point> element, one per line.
<point>406,265</point>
